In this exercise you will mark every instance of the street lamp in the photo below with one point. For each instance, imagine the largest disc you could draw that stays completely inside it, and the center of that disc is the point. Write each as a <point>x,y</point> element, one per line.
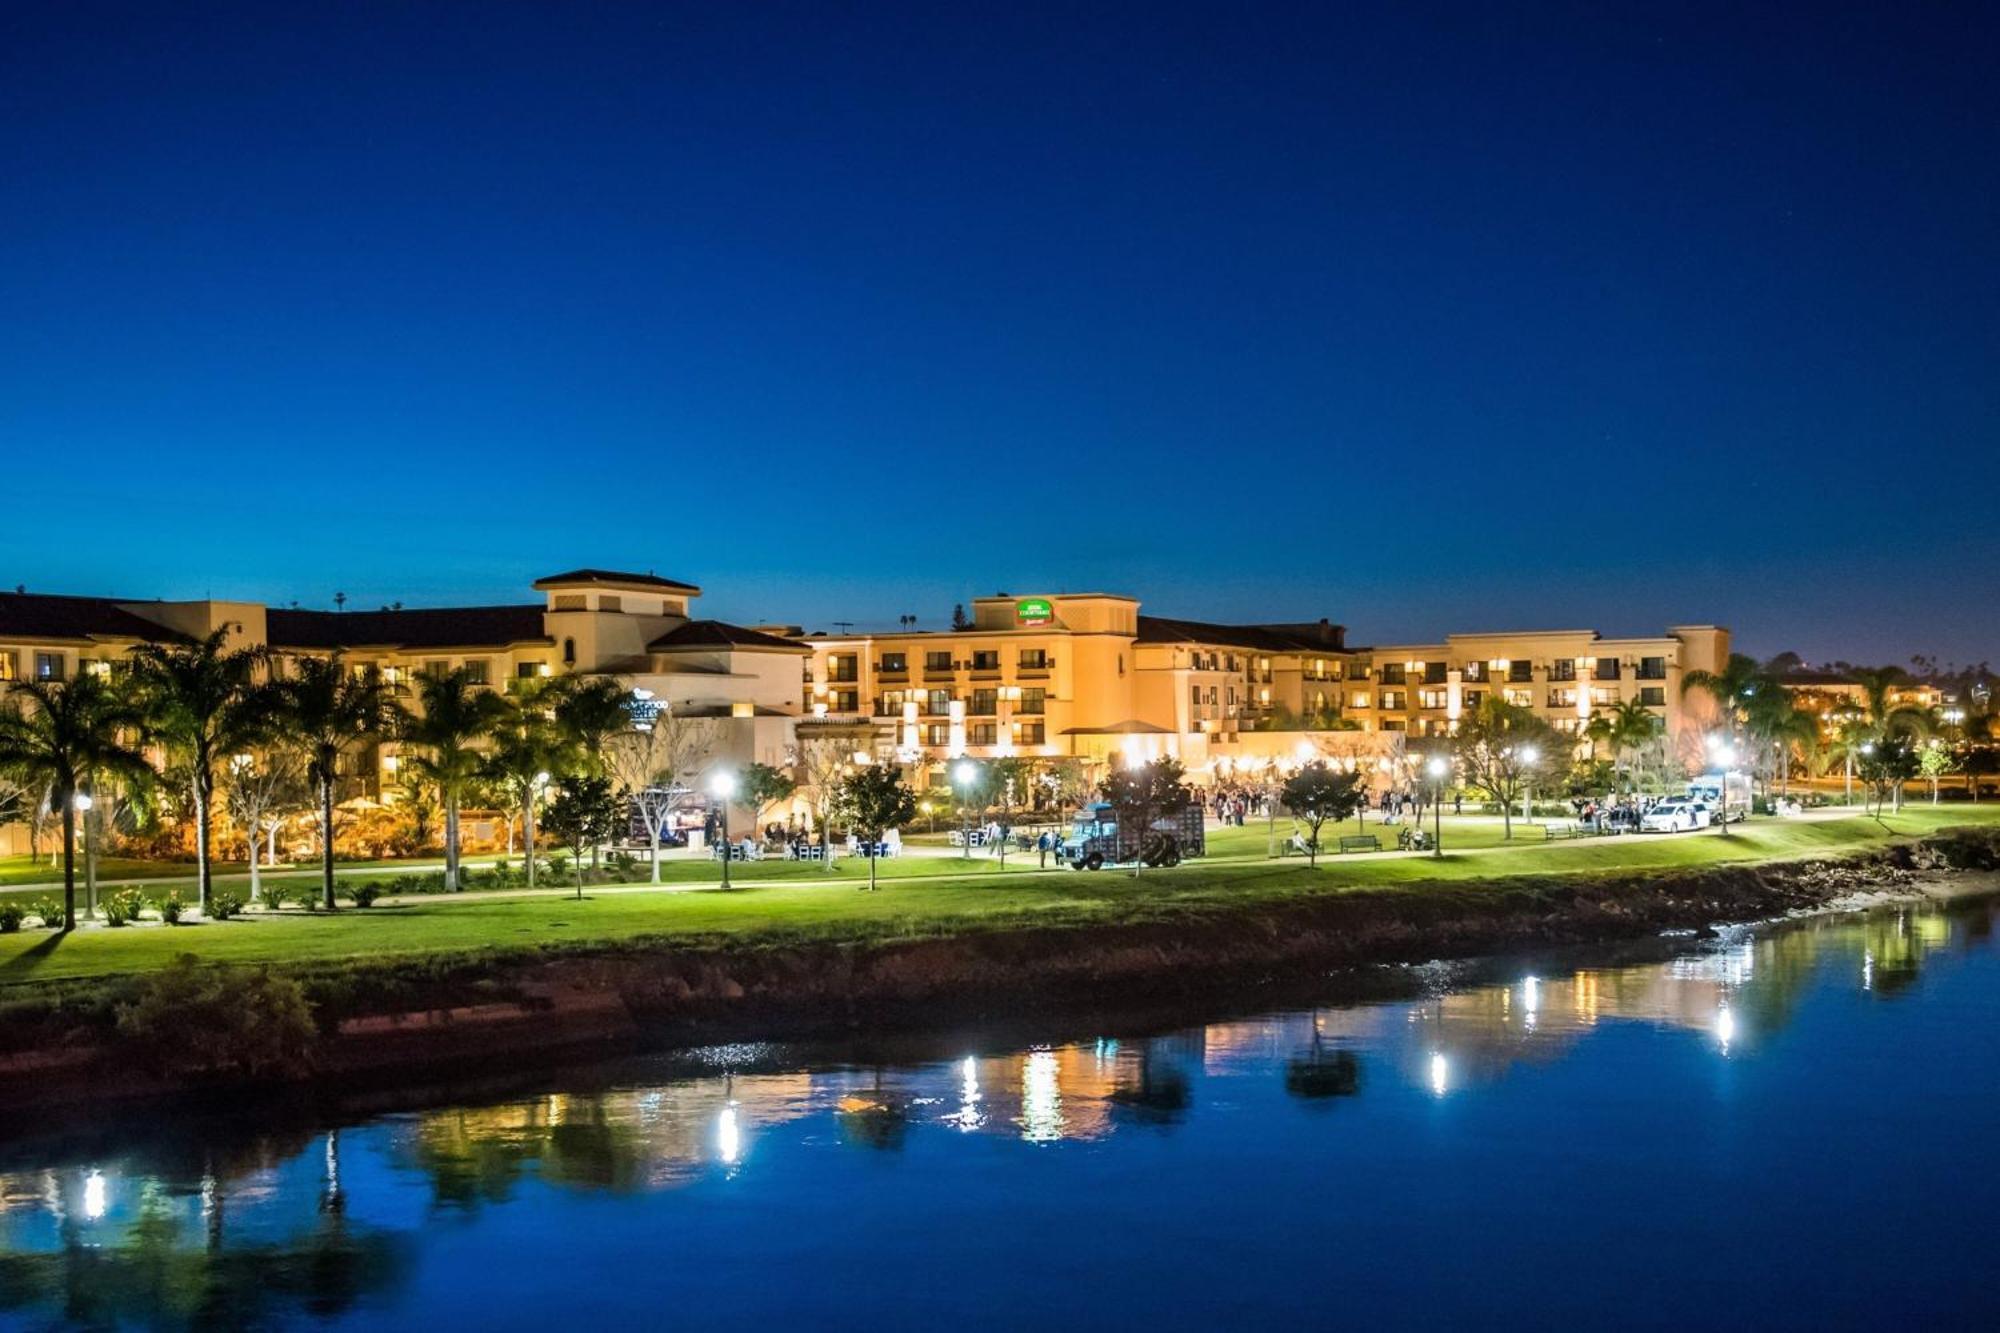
<point>722,784</point>
<point>1530,756</point>
<point>963,775</point>
<point>1437,768</point>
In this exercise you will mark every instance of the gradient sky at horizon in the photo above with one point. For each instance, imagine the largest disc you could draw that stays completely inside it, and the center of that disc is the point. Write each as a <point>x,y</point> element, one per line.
<point>1424,319</point>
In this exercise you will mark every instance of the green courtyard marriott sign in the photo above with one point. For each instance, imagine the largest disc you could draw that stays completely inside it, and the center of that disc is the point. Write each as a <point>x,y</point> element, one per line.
<point>1034,611</point>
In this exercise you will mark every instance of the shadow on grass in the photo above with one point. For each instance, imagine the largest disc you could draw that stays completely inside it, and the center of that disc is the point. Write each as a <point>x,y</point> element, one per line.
<point>29,959</point>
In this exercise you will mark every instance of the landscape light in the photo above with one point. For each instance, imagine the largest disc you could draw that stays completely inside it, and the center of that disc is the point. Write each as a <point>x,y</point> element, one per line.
<point>1437,767</point>
<point>964,774</point>
<point>723,783</point>
<point>81,801</point>
<point>1530,755</point>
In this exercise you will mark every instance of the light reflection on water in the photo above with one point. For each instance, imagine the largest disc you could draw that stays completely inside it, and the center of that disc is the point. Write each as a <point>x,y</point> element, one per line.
<point>1661,1091</point>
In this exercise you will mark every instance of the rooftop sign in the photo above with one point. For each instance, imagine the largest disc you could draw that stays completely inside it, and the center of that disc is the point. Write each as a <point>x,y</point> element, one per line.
<point>1034,611</point>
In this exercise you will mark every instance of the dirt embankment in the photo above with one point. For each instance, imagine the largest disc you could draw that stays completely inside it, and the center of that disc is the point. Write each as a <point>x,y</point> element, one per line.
<point>427,1017</point>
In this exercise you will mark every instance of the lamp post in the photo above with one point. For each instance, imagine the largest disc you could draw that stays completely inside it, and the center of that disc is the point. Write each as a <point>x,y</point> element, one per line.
<point>1530,756</point>
<point>962,776</point>
<point>723,786</point>
<point>82,802</point>
<point>1725,755</point>
<point>1437,768</point>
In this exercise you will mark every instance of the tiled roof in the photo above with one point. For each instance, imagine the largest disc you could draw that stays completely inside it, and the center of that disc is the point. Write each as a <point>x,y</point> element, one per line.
<point>1317,637</point>
<point>716,634</point>
<point>436,627</point>
<point>28,615</point>
<point>612,576</point>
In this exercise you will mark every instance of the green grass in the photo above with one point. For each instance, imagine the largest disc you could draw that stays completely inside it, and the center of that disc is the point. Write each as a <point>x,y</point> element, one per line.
<point>787,903</point>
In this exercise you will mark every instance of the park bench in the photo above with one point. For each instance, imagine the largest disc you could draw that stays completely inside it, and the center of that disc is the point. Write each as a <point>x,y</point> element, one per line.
<point>1294,846</point>
<point>1361,842</point>
<point>1560,832</point>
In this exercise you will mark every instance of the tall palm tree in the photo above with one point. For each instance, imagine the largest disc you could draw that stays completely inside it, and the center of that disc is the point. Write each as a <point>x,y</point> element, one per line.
<point>329,708</point>
<point>530,750</point>
<point>1734,689</point>
<point>60,734</point>
<point>204,701</point>
<point>1628,727</point>
<point>455,713</point>
<point>590,713</point>
<point>1880,716</point>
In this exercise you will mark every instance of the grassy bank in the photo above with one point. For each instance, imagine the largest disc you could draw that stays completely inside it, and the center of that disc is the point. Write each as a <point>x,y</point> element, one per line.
<point>922,897</point>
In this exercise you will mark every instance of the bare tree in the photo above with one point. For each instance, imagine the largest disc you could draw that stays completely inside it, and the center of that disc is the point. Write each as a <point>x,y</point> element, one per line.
<point>656,764</point>
<point>822,761</point>
<point>260,789</point>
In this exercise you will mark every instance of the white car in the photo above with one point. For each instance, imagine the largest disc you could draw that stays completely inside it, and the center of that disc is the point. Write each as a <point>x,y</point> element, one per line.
<point>1676,814</point>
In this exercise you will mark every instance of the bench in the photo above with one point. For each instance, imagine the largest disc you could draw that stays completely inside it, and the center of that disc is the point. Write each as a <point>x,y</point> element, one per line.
<point>1361,842</point>
<point>1294,846</point>
<point>1560,832</point>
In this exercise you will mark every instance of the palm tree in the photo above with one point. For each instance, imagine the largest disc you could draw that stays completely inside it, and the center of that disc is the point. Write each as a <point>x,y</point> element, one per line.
<point>456,714</point>
<point>203,700</point>
<point>329,708</point>
<point>69,732</point>
<point>590,713</point>
<point>1628,727</point>
<point>1881,717</point>
<point>529,750</point>
<point>1734,689</point>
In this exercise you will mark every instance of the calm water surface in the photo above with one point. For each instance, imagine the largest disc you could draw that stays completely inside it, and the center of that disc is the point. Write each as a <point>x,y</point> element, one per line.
<point>1789,1128</point>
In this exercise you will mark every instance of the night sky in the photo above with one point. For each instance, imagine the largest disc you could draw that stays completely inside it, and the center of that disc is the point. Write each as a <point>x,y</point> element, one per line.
<point>1420,317</point>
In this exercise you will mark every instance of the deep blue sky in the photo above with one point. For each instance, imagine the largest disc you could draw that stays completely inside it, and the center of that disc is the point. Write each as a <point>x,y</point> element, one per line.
<point>1421,317</point>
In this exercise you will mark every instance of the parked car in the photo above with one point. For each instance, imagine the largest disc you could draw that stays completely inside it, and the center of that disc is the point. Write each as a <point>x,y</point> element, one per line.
<point>1676,814</point>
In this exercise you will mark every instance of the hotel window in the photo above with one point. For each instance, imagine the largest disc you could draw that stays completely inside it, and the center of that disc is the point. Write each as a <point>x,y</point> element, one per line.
<point>527,670</point>
<point>1652,696</point>
<point>1600,697</point>
<point>1357,671</point>
<point>1392,674</point>
<point>610,601</point>
<point>1434,673</point>
<point>981,733</point>
<point>938,661</point>
<point>985,703</point>
<point>937,703</point>
<point>1519,671</point>
<point>478,670</point>
<point>1034,700</point>
<point>1475,671</point>
<point>1358,699</point>
<point>49,666</point>
<point>845,701</point>
<point>1569,726</point>
<point>1194,695</point>
<point>10,665</point>
<point>1431,698</point>
<point>889,703</point>
<point>843,667</point>
<point>1562,698</point>
<point>1392,724</point>
<point>567,601</point>
<point>937,733</point>
<point>986,659</point>
<point>1652,668</point>
<point>1034,659</point>
<point>435,668</point>
<point>1394,699</point>
<point>1606,669</point>
<point>895,664</point>
<point>1521,698</point>
<point>1032,733</point>
<point>1472,698</point>
<point>1563,668</point>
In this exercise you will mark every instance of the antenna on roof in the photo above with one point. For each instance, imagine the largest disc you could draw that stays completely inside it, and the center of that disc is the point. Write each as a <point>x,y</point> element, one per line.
<point>843,625</point>
<point>340,601</point>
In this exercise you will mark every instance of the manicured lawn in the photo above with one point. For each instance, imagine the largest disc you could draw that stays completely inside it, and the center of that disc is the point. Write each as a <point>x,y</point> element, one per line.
<point>925,895</point>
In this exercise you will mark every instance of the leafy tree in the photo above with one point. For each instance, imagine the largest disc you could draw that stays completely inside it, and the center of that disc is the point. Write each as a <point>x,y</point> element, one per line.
<point>590,713</point>
<point>1733,689</point>
<point>1502,749</point>
<point>1630,730</point>
<point>761,786</point>
<point>1885,765</point>
<point>204,701</point>
<point>1144,794</point>
<point>55,735</point>
<point>1319,794</point>
<point>1934,761</point>
<point>582,815</point>
<point>655,764</point>
<point>330,708</point>
<point>455,716</point>
<point>872,800</point>
<point>960,620</point>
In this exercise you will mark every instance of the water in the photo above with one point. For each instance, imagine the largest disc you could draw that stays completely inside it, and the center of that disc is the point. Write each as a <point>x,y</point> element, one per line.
<point>1792,1128</point>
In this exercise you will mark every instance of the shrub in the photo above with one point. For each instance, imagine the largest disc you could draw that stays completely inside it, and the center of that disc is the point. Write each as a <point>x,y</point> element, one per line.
<point>558,866</point>
<point>364,895</point>
<point>11,916</point>
<point>275,895</point>
<point>122,907</point>
<point>624,863</point>
<point>50,910</point>
<point>192,1018</point>
<point>222,906</point>
<point>170,906</point>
